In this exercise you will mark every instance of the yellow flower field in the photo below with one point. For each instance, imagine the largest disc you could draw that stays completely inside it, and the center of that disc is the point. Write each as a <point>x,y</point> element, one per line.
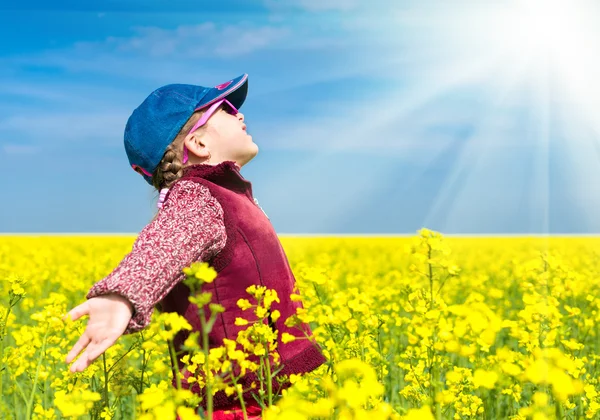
<point>427,327</point>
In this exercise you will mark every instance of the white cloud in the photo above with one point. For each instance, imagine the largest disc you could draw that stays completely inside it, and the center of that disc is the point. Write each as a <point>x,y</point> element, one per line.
<point>244,42</point>
<point>188,41</point>
<point>155,53</point>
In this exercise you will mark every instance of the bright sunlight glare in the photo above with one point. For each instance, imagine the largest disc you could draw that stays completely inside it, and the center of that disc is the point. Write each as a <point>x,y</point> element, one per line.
<point>544,23</point>
<point>533,67</point>
<point>557,39</point>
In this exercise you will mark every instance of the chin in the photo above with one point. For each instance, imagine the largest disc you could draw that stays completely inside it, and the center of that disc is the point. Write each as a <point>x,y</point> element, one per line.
<point>247,158</point>
<point>253,151</point>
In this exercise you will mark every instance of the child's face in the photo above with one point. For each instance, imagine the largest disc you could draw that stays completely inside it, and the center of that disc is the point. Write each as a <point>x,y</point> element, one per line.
<point>225,137</point>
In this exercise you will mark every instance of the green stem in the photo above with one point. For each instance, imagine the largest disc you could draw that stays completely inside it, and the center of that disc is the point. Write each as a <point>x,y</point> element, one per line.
<point>559,409</point>
<point>129,350</point>
<point>269,379</point>
<point>106,402</point>
<point>37,374</point>
<point>261,378</point>
<point>208,384</point>
<point>430,275</point>
<point>19,388</point>
<point>241,398</point>
<point>3,335</point>
<point>175,363</point>
<point>144,363</point>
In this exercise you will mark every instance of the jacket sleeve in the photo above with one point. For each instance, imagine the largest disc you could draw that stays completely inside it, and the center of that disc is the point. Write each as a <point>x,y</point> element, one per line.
<point>189,227</point>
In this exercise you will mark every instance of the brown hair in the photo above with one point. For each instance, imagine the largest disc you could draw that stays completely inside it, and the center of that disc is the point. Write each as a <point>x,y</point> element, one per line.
<point>170,168</point>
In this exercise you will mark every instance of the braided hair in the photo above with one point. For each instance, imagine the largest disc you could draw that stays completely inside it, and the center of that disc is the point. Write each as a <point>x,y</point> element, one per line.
<point>170,168</point>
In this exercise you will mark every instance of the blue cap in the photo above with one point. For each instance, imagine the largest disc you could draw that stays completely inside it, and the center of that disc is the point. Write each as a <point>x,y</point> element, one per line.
<point>154,124</point>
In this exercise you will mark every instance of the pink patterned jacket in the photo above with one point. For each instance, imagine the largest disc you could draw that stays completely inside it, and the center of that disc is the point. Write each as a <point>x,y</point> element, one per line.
<point>189,227</point>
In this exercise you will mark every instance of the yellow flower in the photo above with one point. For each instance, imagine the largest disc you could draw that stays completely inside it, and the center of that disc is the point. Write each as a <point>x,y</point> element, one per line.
<point>240,321</point>
<point>540,399</point>
<point>261,312</point>
<point>352,325</point>
<point>270,297</point>
<point>186,413</point>
<point>510,368</point>
<point>152,397</point>
<point>537,372</point>
<point>485,379</point>
<point>593,408</point>
<point>259,350</point>
<point>452,346</point>
<point>159,366</point>
<point>423,413</point>
<point>287,338</point>
<point>323,407</point>
<point>572,344</point>
<point>295,297</point>
<point>46,414</point>
<point>256,291</point>
<point>275,314</point>
<point>76,403</point>
<point>316,276</point>
<point>216,308</point>
<point>165,411</point>
<point>173,324</point>
<point>202,271</point>
<point>563,385</point>
<point>590,391</point>
<point>244,304</point>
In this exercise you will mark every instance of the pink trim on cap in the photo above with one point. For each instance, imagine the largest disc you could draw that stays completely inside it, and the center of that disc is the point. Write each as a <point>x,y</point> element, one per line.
<point>134,166</point>
<point>223,85</point>
<point>226,93</point>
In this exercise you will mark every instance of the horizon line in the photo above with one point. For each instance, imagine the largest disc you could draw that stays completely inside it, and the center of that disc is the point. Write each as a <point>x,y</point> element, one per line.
<point>318,234</point>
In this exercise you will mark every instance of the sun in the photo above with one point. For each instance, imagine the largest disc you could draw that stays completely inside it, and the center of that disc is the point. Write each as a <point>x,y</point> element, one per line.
<point>524,76</point>
<point>548,25</point>
<point>556,42</point>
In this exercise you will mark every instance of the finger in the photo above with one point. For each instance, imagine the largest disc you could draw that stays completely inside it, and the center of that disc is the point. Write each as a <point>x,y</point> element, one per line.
<point>83,341</point>
<point>78,311</point>
<point>91,353</point>
<point>95,351</point>
<point>100,347</point>
<point>78,365</point>
<point>82,362</point>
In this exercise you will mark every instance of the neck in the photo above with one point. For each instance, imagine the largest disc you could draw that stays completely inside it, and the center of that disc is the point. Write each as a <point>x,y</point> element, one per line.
<point>226,174</point>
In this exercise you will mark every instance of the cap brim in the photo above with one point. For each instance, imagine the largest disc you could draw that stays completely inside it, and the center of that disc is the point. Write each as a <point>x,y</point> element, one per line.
<point>235,92</point>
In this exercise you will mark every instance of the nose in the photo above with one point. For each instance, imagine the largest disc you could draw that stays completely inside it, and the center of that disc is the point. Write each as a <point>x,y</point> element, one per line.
<point>240,116</point>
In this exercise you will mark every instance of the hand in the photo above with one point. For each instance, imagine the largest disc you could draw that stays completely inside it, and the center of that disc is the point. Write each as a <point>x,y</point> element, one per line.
<point>109,316</point>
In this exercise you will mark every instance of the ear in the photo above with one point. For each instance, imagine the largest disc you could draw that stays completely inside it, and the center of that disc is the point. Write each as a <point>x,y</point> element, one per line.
<point>196,145</point>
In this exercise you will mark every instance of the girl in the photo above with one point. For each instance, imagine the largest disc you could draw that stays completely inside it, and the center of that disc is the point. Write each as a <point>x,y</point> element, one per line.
<point>190,142</point>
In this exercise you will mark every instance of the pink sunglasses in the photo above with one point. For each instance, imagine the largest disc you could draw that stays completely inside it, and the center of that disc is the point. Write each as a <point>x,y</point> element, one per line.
<point>230,109</point>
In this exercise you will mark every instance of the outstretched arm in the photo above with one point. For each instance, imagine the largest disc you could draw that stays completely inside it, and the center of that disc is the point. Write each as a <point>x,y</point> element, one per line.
<point>189,227</point>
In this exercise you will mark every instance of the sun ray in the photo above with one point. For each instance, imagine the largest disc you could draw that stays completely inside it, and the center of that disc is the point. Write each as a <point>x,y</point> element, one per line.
<point>531,67</point>
<point>538,76</point>
<point>503,85</point>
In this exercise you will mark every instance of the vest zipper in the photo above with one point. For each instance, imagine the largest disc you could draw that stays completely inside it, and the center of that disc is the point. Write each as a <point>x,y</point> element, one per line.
<point>258,205</point>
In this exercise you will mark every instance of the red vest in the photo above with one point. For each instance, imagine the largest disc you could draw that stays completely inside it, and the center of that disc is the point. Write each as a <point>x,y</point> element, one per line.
<point>252,255</point>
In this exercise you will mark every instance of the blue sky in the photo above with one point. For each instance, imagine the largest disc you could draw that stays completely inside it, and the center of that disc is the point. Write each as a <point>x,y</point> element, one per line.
<point>370,117</point>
